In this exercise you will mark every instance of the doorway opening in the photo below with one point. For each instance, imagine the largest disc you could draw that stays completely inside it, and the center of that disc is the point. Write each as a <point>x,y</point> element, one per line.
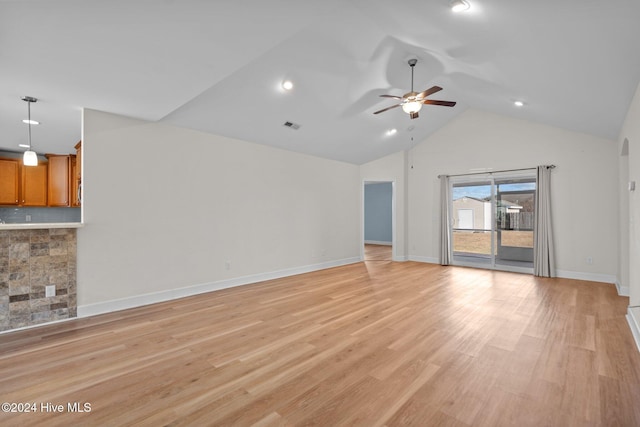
<point>378,233</point>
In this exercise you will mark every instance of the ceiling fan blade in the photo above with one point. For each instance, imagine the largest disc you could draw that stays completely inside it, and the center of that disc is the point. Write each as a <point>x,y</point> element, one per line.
<point>442,103</point>
<point>391,96</point>
<point>388,108</point>
<point>428,92</point>
<point>413,115</point>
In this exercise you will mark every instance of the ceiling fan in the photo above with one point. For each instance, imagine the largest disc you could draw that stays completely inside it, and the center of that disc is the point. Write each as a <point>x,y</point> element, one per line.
<point>412,101</point>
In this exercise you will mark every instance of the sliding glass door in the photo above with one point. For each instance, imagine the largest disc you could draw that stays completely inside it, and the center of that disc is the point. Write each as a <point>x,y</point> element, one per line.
<point>515,201</point>
<point>471,228</point>
<point>492,224</point>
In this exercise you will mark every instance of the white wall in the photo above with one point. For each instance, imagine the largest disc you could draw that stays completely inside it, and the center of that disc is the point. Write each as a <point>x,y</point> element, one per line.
<point>623,218</point>
<point>165,209</point>
<point>584,185</point>
<point>392,168</point>
<point>631,223</point>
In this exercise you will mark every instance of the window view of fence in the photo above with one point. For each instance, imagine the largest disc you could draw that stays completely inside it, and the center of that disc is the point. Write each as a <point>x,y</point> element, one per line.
<point>514,220</point>
<point>515,214</point>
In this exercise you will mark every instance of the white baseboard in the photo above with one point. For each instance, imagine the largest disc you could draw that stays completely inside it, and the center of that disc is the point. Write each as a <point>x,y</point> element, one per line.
<point>156,297</point>
<point>623,291</point>
<point>591,277</point>
<point>377,242</point>
<point>428,260</point>
<point>51,322</point>
<point>400,258</point>
<point>633,317</point>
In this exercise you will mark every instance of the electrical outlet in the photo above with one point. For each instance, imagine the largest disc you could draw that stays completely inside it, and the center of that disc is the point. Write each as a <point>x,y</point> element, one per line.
<point>50,291</point>
<point>589,260</point>
<point>227,265</point>
<point>28,218</point>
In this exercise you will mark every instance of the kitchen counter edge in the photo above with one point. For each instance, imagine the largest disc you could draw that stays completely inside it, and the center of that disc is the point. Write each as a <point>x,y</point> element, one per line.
<point>41,226</point>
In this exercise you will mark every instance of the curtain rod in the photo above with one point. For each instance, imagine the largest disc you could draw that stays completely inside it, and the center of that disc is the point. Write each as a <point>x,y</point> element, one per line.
<point>490,172</point>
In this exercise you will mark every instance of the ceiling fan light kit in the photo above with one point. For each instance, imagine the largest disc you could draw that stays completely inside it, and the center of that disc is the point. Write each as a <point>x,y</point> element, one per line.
<point>30,158</point>
<point>412,101</point>
<point>411,107</point>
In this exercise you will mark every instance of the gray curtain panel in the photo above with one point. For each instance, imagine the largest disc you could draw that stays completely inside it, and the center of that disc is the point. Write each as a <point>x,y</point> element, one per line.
<point>543,255</point>
<point>445,221</point>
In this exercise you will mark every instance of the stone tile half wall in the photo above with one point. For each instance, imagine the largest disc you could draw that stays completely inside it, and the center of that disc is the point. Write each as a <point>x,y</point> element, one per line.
<point>31,260</point>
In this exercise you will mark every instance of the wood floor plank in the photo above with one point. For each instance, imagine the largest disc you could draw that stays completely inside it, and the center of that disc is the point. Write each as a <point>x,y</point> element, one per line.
<point>377,252</point>
<point>373,343</point>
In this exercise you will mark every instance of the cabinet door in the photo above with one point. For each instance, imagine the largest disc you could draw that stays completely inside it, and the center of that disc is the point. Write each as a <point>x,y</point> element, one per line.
<point>78,173</point>
<point>9,179</point>
<point>76,193</point>
<point>75,182</point>
<point>34,185</point>
<point>59,174</point>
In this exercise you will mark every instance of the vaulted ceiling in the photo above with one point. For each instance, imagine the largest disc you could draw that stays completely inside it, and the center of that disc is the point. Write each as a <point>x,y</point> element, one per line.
<point>217,66</point>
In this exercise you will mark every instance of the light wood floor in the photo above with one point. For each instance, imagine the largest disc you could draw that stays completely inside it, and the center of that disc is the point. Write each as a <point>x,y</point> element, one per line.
<point>377,252</point>
<point>367,344</point>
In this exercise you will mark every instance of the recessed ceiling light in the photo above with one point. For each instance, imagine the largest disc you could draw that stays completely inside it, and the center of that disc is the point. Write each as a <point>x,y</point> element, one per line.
<point>518,103</point>
<point>460,5</point>
<point>392,132</point>
<point>287,85</point>
<point>30,122</point>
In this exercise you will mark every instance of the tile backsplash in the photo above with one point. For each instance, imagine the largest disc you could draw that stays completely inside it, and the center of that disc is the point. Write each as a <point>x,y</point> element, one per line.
<point>10,215</point>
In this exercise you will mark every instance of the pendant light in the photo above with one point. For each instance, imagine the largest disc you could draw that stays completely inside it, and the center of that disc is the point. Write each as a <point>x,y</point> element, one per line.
<point>30,157</point>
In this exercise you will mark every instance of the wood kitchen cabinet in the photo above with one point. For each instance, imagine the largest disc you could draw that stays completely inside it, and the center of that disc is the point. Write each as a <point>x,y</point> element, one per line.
<point>33,188</point>
<point>76,174</point>
<point>9,181</point>
<point>75,183</point>
<point>54,183</point>
<point>78,148</point>
<point>59,180</point>
<point>31,183</point>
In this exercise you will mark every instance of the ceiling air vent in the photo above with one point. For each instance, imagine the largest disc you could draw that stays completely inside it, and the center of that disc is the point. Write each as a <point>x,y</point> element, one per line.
<point>292,125</point>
